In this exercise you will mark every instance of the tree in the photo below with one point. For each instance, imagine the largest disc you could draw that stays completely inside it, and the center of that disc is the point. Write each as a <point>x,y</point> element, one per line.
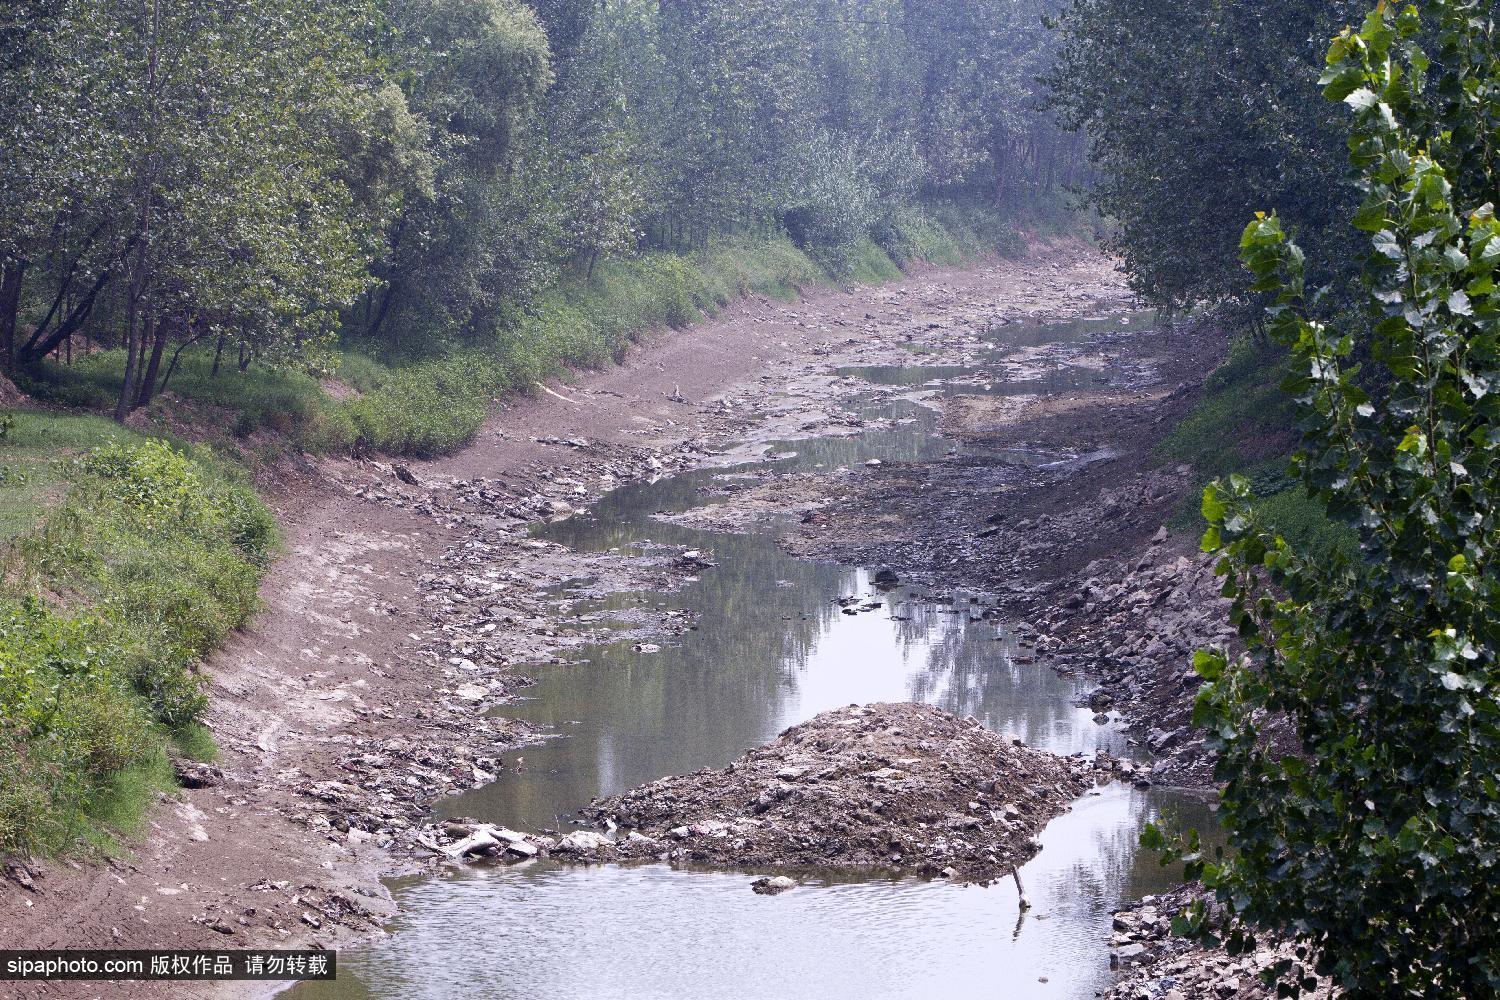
<point>1376,841</point>
<point>1197,115</point>
<point>174,161</point>
<point>473,72</point>
<point>60,154</point>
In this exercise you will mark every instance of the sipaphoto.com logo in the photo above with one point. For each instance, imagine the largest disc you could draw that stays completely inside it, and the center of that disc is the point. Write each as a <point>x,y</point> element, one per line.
<point>70,964</point>
<point>73,967</point>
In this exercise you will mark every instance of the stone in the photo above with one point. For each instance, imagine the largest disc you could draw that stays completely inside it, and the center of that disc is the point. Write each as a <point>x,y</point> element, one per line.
<point>584,840</point>
<point>773,886</point>
<point>192,774</point>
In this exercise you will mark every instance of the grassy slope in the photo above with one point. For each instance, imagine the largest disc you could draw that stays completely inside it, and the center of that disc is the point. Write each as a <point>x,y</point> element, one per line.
<point>1245,424</point>
<point>126,561</point>
<point>434,404</point>
<point>148,559</point>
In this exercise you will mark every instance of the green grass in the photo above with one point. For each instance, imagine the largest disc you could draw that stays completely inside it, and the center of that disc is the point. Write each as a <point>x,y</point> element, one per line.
<point>195,741</point>
<point>1242,419</point>
<point>274,398</point>
<point>869,265</point>
<point>116,808</point>
<point>433,405</point>
<point>151,557</point>
<point>1245,424</point>
<point>36,457</point>
<point>436,405</point>
<point>948,233</point>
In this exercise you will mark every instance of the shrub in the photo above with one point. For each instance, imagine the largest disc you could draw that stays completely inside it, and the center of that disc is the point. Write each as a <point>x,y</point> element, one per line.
<point>152,558</point>
<point>1375,843</point>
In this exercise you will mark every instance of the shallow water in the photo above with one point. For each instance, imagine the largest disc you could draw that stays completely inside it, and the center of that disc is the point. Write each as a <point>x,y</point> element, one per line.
<point>773,648</point>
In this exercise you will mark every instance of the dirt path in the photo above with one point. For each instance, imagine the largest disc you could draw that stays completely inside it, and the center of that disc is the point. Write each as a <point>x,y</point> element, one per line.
<point>356,698</point>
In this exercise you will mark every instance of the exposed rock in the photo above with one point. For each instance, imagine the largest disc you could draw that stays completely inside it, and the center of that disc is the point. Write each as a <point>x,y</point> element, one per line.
<point>1152,963</point>
<point>582,842</point>
<point>194,774</point>
<point>773,886</point>
<point>485,840</point>
<point>901,786</point>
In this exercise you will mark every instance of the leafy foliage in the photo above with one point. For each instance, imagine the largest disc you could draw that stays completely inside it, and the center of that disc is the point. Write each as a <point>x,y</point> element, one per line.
<point>1198,115</point>
<point>414,174</point>
<point>1374,841</point>
<point>149,562</point>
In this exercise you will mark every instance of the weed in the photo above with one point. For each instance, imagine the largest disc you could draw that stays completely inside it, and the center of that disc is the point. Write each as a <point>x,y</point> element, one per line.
<point>148,562</point>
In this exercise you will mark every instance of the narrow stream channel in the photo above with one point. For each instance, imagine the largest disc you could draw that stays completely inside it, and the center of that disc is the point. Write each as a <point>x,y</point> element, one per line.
<point>773,648</point>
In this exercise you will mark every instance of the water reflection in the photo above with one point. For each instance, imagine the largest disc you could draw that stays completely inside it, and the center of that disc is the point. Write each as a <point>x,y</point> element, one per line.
<point>549,932</point>
<point>774,647</point>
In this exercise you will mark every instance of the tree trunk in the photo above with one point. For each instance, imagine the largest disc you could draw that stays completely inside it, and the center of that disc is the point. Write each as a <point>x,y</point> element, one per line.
<point>218,355</point>
<point>10,310</point>
<point>148,380</point>
<point>145,195</point>
<point>387,296</point>
<point>177,356</point>
<point>132,338</point>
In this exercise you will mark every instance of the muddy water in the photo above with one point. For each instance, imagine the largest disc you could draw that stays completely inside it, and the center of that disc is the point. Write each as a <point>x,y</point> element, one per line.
<point>772,647</point>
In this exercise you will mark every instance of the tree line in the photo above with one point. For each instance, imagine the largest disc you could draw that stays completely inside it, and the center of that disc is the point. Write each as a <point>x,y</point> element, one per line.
<point>1345,153</point>
<point>257,178</point>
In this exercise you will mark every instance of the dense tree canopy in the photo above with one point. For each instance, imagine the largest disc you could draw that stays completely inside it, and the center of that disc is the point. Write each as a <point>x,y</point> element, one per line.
<point>1375,842</point>
<point>264,175</point>
<point>1199,114</point>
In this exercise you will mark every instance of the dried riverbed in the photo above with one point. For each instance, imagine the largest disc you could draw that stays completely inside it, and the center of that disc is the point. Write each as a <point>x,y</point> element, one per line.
<point>424,646</point>
<point>680,635</point>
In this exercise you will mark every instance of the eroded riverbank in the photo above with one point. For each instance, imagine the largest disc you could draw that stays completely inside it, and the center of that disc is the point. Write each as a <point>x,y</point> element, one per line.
<point>382,590</point>
<point>733,638</point>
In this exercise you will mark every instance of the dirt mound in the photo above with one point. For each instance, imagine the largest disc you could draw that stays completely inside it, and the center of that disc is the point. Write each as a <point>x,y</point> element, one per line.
<point>897,786</point>
<point>10,395</point>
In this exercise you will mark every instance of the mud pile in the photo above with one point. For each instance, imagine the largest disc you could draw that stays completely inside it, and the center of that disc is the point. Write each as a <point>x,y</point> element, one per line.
<point>897,786</point>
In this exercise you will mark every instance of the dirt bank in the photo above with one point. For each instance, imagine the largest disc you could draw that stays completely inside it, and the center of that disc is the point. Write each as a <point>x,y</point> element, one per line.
<point>408,602</point>
<point>1154,964</point>
<point>904,787</point>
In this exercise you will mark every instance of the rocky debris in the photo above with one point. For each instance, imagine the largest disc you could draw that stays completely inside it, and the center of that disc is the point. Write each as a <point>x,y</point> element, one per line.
<point>483,840</point>
<point>20,874</point>
<point>1134,624</point>
<point>1056,503</point>
<point>1152,964</point>
<point>499,600</point>
<point>694,561</point>
<point>773,886</point>
<point>10,396</point>
<point>908,787</point>
<point>195,774</point>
